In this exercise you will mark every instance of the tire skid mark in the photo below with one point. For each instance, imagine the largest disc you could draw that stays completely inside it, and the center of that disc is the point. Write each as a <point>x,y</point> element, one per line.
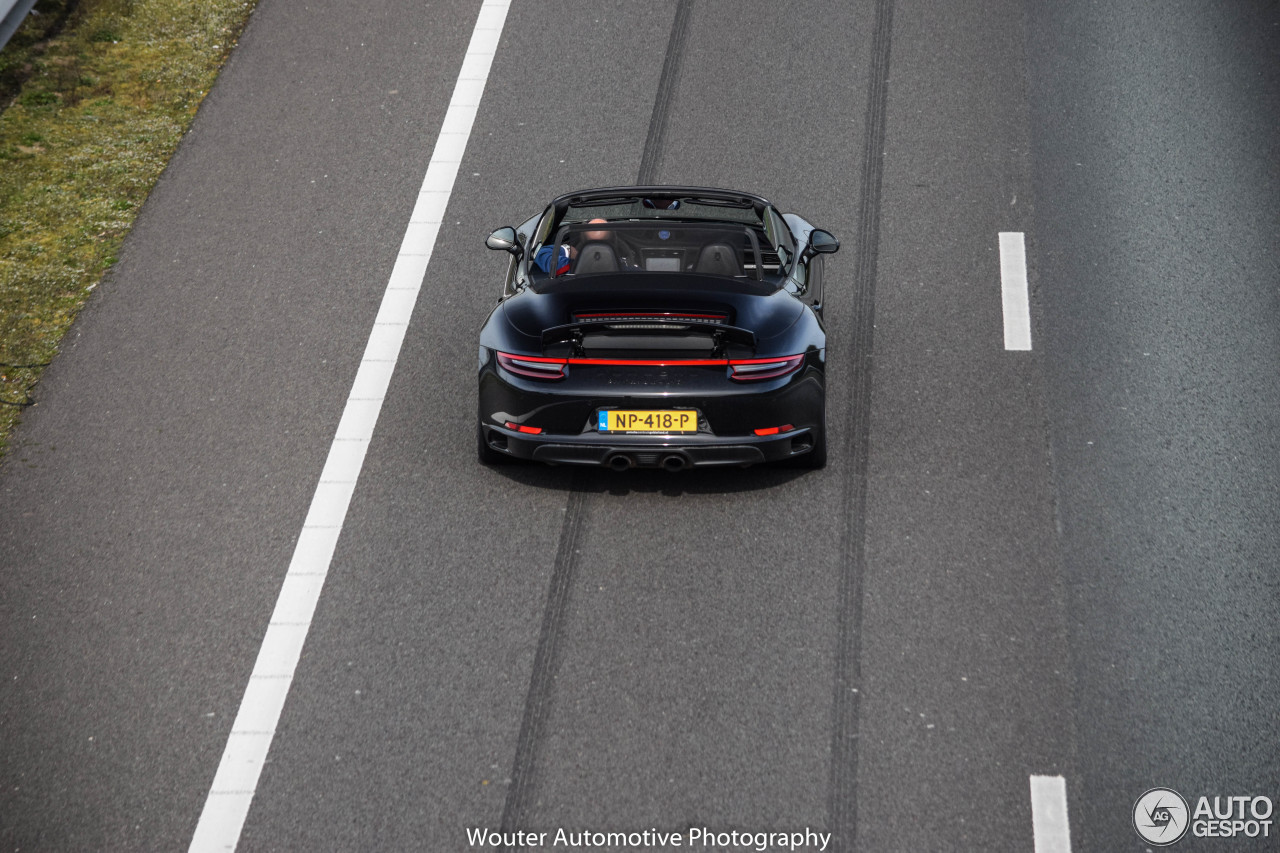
<point>546,663</point>
<point>652,157</point>
<point>842,806</point>
<point>546,660</point>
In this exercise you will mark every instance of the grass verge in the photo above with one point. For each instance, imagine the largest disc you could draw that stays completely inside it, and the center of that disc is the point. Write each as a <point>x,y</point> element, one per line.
<point>96,95</point>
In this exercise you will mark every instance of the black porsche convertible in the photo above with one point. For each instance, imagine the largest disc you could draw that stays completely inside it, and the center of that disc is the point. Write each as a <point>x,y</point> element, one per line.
<point>668,327</point>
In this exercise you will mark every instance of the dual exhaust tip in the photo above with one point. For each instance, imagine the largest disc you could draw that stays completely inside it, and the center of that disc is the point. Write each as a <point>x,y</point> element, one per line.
<point>670,462</point>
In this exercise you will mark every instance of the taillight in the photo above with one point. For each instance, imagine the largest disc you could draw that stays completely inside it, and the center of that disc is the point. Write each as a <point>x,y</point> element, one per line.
<point>751,369</point>
<point>533,366</point>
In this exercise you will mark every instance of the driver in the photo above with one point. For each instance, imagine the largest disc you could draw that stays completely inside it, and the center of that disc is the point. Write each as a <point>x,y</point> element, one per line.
<point>564,254</point>
<point>628,257</point>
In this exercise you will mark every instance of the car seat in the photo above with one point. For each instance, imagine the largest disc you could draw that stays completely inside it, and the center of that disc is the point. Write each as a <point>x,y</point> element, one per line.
<point>596,258</point>
<point>718,259</point>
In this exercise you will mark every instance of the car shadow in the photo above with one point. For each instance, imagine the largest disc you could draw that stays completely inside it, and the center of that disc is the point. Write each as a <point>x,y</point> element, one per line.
<point>702,481</point>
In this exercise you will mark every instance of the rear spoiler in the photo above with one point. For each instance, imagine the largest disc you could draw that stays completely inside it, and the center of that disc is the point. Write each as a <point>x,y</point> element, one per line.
<point>572,332</point>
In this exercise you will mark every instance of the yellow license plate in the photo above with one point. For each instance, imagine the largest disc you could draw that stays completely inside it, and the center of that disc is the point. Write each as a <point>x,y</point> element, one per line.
<point>667,420</point>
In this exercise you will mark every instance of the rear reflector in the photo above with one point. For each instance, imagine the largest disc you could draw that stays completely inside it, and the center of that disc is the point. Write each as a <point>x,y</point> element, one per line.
<point>774,430</point>
<point>531,430</point>
<point>535,367</point>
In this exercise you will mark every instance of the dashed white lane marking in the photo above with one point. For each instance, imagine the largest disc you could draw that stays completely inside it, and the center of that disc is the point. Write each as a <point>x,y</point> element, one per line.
<point>234,784</point>
<point>1013,288</point>
<point>1049,814</point>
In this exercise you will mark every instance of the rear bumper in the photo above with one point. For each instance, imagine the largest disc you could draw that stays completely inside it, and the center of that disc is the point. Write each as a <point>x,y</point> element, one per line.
<point>565,414</point>
<point>645,451</point>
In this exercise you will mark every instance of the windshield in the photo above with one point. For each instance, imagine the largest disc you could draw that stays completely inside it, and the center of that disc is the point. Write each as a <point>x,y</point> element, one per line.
<point>631,208</point>
<point>593,248</point>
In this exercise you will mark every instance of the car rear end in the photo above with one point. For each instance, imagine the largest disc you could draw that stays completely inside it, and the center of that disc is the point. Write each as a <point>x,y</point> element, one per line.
<point>654,387</point>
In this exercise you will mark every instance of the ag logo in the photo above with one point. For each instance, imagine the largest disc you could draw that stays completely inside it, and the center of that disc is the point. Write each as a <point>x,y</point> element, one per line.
<point>1160,816</point>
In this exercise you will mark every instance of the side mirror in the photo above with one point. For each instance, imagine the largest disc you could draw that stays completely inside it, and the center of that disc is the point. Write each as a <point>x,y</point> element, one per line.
<point>821,243</point>
<point>504,239</point>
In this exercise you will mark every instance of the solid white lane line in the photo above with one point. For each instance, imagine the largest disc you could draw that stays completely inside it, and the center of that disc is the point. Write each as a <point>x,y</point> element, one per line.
<point>1013,287</point>
<point>237,776</point>
<point>1049,814</point>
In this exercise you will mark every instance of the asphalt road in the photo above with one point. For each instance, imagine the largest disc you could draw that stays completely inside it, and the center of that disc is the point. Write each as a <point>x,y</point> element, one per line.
<point>1055,562</point>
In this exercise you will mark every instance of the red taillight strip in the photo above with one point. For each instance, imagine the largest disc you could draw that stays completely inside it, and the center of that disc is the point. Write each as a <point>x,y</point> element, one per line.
<point>791,362</point>
<point>744,369</point>
<point>653,362</point>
